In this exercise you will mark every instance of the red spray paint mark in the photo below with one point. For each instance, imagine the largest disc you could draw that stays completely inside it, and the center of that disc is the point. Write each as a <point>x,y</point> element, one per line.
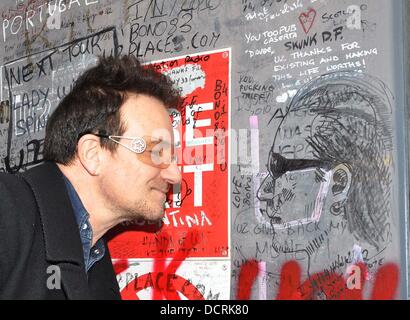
<point>168,286</point>
<point>289,282</point>
<point>247,276</point>
<point>386,283</point>
<point>307,19</point>
<point>165,282</point>
<point>120,266</point>
<point>330,284</point>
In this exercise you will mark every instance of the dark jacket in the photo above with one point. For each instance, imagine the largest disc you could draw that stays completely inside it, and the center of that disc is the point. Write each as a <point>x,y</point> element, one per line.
<point>38,233</point>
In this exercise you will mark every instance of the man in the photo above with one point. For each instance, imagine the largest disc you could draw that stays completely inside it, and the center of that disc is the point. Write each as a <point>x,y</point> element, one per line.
<point>109,159</point>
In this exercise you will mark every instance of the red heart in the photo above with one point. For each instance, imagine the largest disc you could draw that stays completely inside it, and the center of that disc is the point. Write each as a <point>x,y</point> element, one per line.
<point>306,19</point>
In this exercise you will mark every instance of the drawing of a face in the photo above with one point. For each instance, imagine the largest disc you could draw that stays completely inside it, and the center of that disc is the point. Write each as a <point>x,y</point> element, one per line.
<point>291,182</point>
<point>330,159</point>
<point>299,183</point>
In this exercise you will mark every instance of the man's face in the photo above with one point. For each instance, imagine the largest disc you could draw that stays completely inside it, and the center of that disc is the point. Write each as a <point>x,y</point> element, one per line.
<point>294,192</point>
<point>136,189</point>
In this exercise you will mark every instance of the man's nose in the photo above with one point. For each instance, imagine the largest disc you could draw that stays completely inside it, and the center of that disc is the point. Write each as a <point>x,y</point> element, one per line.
<point>266,189</point>
<point>172,174</point>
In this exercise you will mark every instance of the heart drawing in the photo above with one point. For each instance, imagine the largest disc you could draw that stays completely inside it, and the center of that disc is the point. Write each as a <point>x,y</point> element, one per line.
<point>307,19</point>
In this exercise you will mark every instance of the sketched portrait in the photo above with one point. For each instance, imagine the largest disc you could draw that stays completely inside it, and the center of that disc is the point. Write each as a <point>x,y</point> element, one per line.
<point>331,160</point>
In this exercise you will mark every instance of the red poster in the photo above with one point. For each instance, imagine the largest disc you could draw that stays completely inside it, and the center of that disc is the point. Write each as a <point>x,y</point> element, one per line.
<point>197,213</point>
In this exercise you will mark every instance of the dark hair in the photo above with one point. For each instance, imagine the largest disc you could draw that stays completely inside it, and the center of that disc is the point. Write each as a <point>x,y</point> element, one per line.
<point>93,104</point>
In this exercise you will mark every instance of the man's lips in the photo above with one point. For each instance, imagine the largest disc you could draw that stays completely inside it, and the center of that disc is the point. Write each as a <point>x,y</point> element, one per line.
<point>165,191</point>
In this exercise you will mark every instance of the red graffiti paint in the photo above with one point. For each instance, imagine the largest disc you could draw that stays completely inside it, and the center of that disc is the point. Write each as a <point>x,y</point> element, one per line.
<point>307,19</point>
<point>163,280</point>
<point>167,286</point>
<point>120,266</point>
<point>188,244</point>
<point>386,283</point>
<point>247,277</point>
<point>327,285</point>
<point>289,282</point>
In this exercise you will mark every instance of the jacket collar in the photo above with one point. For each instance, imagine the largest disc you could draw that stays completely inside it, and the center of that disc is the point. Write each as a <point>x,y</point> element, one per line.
<point>61,233</point>
<point>62,237</point>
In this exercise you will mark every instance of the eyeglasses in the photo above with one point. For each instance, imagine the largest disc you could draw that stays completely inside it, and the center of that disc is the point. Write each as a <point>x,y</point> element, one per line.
<point>152,151</point>
<point>278,165</point>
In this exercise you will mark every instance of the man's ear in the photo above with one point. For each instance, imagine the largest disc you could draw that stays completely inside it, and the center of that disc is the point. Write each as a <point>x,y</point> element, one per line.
<point>339,188</point>
<point>89,153</point>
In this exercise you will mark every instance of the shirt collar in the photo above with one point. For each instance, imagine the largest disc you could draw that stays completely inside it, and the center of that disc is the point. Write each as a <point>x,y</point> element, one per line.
<point>91,254</point>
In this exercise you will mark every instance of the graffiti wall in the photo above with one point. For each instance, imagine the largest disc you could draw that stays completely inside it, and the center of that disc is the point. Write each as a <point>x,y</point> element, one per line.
<point>291,138</point>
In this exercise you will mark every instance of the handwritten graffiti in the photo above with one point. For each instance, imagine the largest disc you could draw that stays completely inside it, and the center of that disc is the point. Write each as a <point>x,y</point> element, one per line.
<point>150,32</point>
<point>28,156</point>
<point>322,180</point>
<point>164,281</point>
<point>26,16</point>
<point>35,85</point>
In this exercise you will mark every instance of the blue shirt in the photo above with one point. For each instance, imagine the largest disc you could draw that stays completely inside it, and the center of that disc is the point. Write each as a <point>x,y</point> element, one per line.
<point>91,254</point>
